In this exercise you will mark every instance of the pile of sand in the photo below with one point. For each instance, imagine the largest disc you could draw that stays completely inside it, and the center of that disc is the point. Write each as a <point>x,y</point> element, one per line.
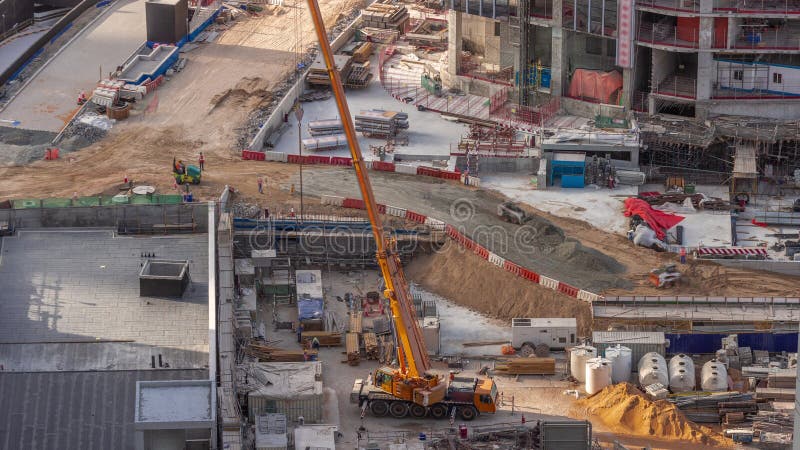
<point>469,280</point>
<point>626,410</point>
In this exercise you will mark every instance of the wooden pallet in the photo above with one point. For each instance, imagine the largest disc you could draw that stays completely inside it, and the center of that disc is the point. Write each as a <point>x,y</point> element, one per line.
<point>527,366</point>
<point>371,346</point>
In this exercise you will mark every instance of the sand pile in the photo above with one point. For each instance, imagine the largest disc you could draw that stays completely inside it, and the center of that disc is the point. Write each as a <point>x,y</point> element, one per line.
<point>470,281</point>
<point>626,410</point>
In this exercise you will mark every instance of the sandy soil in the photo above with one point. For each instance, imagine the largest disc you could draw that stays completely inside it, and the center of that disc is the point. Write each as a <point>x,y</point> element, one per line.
<point>469,280</point>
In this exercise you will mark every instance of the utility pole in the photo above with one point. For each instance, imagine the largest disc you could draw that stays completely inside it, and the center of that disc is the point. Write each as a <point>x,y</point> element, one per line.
<point>298,114</point>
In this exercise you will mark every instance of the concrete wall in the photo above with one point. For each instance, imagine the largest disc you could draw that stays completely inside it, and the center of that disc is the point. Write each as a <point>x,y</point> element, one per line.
<point>587,109</point>
<point>474,86</point>
<point>664,64</point>
<point>478,37</point>
<point>489,164</point>
<point>771,109</point>
<point>784,267</point>
<point>15,12</point>
<point>108,216</point>
<point>275,120</point>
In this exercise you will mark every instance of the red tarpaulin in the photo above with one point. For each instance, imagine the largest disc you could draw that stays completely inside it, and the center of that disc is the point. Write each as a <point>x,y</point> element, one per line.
<point>659,221</point>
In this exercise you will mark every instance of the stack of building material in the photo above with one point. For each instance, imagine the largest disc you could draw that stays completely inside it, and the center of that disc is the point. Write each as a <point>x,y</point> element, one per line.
<point>318,73</point>
<point>783,380</point>
<point>378,35</point>
<point>527,366</point>
<point>359,77</point>
<point>356,325</point>
<point>265,353</point>
<point>325,127</point>
<point>310,302</point>
<point>381,326</point>
<point>325,142</point>
<point>371,346</point>
<point>384,16</point>
<point>362,53</point>
<point>352,349</point>
<point>657,391</point>
<point>778,423</point>
<point>105,97</point>
<point>325,338</point>
<point>380,123</point>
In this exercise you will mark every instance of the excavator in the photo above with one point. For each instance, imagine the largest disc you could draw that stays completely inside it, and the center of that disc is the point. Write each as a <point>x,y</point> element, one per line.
<point>409,389</point>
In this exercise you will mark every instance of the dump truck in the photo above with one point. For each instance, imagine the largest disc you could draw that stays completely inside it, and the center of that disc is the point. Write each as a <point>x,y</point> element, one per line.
<point>464,397</point>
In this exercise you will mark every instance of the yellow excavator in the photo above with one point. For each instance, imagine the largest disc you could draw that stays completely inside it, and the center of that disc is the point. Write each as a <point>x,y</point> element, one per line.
<point>409,389</point>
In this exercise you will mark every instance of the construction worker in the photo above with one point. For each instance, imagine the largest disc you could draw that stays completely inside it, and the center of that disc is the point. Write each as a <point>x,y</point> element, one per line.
<point>315,343</point>
<point>82,98</point>
<point>291,212</point>
<point>202,161</point>
<point>683,255</point>
<point>300,333</point>
<point>260,184</point>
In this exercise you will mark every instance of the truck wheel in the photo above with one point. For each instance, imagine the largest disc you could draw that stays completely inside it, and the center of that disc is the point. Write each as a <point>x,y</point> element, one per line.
<point>417,410</point>
<point>379,408</point>
<point>526,350</point>
<point>468,412</point>
<point>438,411</point>
<point>398,409</point>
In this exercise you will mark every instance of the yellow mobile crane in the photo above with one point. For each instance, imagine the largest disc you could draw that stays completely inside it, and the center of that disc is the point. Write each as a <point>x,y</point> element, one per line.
<point>408,389</point>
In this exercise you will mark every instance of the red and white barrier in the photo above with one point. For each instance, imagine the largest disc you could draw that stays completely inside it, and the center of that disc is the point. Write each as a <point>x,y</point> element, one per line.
<point>496,260</point>
<point>548,282</point>
<point>395,211</point>
<point>332,200</point>
<point>731,251</point>
<point>405,168</point>
<point>435,224</point>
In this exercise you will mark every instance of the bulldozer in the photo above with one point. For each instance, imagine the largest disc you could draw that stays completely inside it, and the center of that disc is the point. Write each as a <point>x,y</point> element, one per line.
<point>185,174</point>
<point>665,276</point>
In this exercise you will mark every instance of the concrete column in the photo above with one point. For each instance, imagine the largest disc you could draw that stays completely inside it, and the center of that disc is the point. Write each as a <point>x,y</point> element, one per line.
<point>706,6</point>
<point>733,27</point>
<point>627,87</point>
<point>705,59</point>
<point>796,437</point>
<point>558,63</point>
<point>453,42</point>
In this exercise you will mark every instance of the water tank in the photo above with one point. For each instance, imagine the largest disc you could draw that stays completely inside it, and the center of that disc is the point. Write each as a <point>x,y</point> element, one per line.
<point>598,374</point>
<point>620,358</point>
<point>714,376</point>
<point>681,373</point>
<point>653,369</point>
<point>577,360</point>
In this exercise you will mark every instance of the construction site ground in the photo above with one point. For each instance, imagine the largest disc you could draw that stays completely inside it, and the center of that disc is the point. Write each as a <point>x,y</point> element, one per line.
<point>533,396</point>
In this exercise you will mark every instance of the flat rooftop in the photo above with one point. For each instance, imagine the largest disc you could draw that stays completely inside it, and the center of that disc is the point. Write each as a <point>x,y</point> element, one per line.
<point>83,286</point>
<point>75,336</point>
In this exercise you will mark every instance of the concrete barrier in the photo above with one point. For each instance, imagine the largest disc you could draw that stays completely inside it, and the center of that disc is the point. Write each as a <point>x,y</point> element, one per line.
<point>548,282</point>
<point>405,168</point>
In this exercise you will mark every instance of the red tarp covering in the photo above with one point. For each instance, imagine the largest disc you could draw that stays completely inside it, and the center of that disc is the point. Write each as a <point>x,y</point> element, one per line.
<point>659,221</point>
<point>594,85</point>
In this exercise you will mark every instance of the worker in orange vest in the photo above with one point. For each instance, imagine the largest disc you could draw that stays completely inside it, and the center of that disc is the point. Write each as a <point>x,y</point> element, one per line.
<point>202,161</point>
<point>683,255</point>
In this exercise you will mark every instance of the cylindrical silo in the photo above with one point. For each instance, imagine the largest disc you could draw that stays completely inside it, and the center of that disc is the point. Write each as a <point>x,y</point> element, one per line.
<point>681,373</point>
<point>714,376</point>
<point>598,374</point>
<point>653,369</point>
<point>620,358</point>
<point>577,360</point>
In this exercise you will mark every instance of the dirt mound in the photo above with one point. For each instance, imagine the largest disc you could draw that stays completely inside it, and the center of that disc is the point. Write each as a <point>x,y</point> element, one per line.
<point>248,92</point>
<point>470,281</point>
<point>625,410</point>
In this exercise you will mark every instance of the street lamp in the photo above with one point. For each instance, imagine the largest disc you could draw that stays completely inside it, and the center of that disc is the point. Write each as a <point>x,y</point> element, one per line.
<point>298,114</point>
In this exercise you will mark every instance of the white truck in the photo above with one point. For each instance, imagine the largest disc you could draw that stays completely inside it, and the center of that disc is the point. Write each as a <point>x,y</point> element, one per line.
<point>539,335</point>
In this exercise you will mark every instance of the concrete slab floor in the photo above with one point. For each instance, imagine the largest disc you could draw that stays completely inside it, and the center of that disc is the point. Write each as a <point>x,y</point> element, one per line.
<point>48,102</point>
<point>428,133</point>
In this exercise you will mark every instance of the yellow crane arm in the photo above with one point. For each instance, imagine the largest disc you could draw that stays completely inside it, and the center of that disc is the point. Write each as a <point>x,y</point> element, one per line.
<point>412,354</point>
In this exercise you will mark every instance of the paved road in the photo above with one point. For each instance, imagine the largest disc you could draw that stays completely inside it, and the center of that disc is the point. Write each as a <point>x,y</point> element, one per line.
<point>539,245</point>
<point>48,102</point>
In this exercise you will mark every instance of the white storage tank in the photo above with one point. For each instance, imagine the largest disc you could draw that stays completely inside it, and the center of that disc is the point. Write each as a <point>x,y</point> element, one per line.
<point>681,373</point>
<point>577,360</point>
<point>714,376</point>
<point>653,369</point>
<point>598,374</point>
<point>620,357</point>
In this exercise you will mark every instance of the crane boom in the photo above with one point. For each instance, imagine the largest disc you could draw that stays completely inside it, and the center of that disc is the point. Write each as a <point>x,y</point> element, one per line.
<point>412,355</point>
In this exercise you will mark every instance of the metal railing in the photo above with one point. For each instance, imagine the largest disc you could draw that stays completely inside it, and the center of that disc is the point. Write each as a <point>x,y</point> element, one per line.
<point>766,38</point>
<point>740,93</point>
<point>666,34</point>
<point>671,5</point>
<point>757,6</point>
<point>678,86</point>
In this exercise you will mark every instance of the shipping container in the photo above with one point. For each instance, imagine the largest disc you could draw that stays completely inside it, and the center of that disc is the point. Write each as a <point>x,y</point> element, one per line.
<point>556,333</point>
<point>566,435</point>
<point>711,342</point>
<point>270,432</point>
<point>640,342</point>
<point>291,389</point>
